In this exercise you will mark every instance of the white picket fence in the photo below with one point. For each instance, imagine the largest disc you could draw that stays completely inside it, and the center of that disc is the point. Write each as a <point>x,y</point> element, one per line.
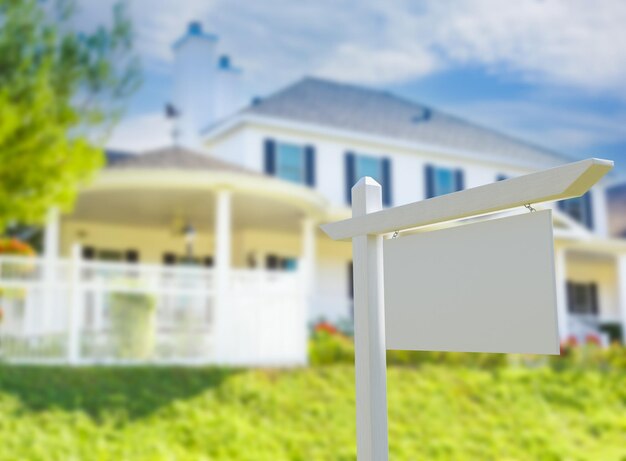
<point>85,312</point>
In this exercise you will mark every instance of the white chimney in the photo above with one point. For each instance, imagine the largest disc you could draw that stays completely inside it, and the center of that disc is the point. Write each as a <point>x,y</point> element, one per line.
<point>228,96</point>
<point>194,83</point>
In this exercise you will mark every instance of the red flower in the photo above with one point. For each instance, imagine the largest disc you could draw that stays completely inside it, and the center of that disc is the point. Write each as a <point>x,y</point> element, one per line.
<point>327,327</point>
<point>592,339</point>
<point>14,246</point>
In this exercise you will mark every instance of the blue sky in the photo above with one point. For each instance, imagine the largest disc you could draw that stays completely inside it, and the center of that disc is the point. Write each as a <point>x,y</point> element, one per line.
<point>550,72</point>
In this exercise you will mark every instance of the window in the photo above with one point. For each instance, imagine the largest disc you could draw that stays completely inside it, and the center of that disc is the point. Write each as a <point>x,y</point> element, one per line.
<point>173,259</point>
<point>369,166</point>
<point>379,168</point>
<point>275,262</point>
<point>441,181</point>
<point>582,298</point>
<point>110,255</point>
<point>579,209</point>
<point>291,162</point>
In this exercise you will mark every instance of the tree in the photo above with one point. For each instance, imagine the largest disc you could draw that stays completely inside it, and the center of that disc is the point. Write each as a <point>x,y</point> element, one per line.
<point>61,91</point>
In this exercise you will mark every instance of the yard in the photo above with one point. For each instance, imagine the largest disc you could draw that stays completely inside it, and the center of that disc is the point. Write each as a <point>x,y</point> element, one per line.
<point>438,409</point>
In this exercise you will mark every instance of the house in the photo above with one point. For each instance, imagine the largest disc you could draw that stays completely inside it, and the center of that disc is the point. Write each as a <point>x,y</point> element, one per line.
<point>214,242</point>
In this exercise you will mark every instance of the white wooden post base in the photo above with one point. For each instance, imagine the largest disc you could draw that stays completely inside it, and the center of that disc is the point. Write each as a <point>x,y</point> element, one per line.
<point>369,330</point>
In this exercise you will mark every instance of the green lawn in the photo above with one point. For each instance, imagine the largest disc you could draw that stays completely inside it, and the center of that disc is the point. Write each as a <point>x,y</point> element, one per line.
<point>435,412</point>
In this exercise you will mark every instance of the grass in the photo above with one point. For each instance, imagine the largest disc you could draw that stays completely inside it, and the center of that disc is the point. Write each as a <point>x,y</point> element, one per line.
<point>435,412</point>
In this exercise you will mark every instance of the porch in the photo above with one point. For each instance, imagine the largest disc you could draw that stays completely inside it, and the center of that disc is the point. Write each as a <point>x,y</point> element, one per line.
<point>217,266</point>
<point>85,312</point>
<point>591,289</point>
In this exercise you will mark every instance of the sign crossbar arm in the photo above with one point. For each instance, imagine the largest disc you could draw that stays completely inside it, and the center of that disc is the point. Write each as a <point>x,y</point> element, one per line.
<point>567,181</point>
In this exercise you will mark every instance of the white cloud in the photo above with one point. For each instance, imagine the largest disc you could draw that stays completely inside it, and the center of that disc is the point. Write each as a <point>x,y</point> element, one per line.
<point>565,42</point>
<point>354,63</point>
<point>157,23</point>
<point>551,126</point>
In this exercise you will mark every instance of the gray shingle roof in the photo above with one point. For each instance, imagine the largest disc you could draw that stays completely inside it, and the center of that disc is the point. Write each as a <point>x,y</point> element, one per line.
<point>172,157</point>
<point>377,112</point>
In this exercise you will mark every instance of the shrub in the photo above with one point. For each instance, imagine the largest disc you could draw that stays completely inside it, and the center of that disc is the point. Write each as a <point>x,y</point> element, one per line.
<point>329,346</point>
<point>132,325</point>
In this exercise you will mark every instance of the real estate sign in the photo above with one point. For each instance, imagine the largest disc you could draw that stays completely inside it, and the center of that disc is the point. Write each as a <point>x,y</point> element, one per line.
<point>483,287</point>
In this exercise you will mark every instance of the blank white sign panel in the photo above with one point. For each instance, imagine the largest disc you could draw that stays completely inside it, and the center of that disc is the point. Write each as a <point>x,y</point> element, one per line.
<point>484,287</point>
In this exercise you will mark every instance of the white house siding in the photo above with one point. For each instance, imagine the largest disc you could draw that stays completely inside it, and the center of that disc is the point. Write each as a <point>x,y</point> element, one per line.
<point>234,149</point>
<point>331,300</point>
<point>407,169</point>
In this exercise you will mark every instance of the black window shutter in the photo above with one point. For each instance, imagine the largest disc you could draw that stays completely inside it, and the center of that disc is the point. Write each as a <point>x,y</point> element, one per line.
<point>570,297</point>
<point>350,280</point>
<point>89,253</point>
<point>132,256</point>
<point>429,177</point>
<point>350,175</point>
<point>270,157</point>
<point>309,153</point>
<point>588,210</point>
<point>459,179</point>
<point>593,294</point>
<point>272,262</point>
<point>386,174</point>
<point>561,205</point>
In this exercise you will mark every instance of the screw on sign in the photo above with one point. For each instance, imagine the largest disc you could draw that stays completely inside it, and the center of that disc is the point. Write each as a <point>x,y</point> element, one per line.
<point>440,289</point>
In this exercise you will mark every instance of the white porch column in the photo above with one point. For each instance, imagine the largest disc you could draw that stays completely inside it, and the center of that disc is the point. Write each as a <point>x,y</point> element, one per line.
<point>51,235</point>
<point>621,287</point>
<point>50,259</point>
<point>309,227</point>
<point>76,307</point>
<point>307,277</point>
<point>222,264</point>
<point>561,291</point>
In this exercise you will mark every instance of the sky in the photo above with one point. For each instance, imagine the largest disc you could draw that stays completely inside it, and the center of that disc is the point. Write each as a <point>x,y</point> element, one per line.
<point>550,72</point>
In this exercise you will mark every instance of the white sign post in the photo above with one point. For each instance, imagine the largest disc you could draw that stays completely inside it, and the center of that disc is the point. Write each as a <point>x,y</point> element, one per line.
<point>483,287</point>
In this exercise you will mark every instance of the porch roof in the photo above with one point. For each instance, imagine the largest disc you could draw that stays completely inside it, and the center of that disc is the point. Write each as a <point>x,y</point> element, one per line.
<point>174,184</point>
<point>172,157</point>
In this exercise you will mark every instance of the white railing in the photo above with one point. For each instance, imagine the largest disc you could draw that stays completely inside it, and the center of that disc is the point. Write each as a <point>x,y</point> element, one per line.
<point>95,312</point>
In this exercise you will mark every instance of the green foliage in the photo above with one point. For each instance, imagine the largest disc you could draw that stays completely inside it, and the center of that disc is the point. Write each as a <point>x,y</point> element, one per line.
<point>435,413</point>
<point>614,330</point>
<point>132,325</point>
<point>60,92</point>
<point>328,346</point>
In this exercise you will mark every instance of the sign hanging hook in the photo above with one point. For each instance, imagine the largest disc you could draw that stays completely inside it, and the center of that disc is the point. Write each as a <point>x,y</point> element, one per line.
<point>530,208</point>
